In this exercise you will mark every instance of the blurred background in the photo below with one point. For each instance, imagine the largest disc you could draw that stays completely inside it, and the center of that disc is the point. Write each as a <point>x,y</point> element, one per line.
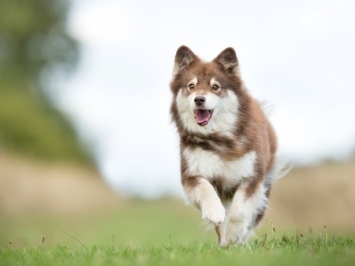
<point>84,110</point>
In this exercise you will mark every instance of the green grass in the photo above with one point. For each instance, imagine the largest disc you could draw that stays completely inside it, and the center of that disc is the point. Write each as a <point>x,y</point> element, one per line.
<point>157,233</point>
<point>274,252</point>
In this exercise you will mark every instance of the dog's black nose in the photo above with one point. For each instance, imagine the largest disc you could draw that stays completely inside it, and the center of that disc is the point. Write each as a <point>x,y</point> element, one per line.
<point>199,100</point>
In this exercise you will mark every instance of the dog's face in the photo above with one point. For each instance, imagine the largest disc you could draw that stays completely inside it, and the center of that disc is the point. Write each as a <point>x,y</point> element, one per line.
<point>206,94</point>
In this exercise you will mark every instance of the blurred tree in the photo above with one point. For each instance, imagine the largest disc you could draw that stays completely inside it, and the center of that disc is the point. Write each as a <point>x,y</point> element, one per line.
<point>35,46</point>
<point>33,39</point>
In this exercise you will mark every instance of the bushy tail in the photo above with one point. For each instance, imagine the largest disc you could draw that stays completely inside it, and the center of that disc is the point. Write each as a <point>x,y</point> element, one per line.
<point>279,170</point>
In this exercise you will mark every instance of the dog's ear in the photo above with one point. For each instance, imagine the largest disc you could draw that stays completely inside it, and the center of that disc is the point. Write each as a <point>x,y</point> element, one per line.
<point>183,58</point>
<point>228,59</point>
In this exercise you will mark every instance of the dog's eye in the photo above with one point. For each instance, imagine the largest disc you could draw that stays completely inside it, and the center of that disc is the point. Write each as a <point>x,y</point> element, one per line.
<point>191,86</point>
<point>215,87</point>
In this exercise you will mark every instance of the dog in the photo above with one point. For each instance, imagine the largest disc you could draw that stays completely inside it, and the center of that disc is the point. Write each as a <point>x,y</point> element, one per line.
<point>227,145</point>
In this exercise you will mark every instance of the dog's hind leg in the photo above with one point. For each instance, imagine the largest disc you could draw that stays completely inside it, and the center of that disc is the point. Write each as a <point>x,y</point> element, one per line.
<point>220,230</point>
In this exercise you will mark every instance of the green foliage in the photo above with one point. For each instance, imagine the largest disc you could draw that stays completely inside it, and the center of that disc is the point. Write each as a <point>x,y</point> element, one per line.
<point>157,233</point>
<point>35,46</point>
<point>33,42</point>
<point>29,127</point>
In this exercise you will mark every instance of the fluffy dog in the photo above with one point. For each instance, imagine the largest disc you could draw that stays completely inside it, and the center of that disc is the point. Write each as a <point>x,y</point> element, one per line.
<point>227,145</point>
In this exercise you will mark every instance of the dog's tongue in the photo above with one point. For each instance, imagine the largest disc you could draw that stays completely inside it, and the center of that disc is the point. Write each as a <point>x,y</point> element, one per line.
<point>202,115</point>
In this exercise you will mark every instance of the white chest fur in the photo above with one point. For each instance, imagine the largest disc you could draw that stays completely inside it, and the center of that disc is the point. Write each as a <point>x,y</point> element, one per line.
<point>208,165</point>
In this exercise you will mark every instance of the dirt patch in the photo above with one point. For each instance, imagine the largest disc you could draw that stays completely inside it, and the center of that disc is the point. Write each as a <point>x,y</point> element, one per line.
<point>35,187</point>
<point>312,197</point>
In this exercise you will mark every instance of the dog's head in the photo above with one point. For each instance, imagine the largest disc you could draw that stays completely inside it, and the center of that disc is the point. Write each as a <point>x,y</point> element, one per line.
<point>206,95</point>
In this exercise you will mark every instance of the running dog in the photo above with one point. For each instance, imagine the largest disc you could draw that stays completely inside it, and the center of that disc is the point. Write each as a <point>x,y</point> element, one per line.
<point>227,145</point>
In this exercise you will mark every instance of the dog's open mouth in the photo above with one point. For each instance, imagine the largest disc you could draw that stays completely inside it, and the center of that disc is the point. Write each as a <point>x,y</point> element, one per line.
<point>203,116</point>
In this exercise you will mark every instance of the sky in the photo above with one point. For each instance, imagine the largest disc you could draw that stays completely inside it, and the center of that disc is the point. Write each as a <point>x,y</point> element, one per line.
<point>298,56</point>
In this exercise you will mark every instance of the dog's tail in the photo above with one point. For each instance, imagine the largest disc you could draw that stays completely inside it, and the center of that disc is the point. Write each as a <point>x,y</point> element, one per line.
<point>280,169</point>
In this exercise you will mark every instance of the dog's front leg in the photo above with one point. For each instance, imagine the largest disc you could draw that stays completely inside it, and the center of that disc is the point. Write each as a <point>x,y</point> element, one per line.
<point>202,195</point>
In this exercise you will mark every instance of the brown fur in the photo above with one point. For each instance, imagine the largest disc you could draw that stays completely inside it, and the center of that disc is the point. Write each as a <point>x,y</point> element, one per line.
<point>253,131</point>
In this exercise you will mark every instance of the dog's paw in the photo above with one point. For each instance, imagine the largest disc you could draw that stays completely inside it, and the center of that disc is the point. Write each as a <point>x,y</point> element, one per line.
<point>214,213</point>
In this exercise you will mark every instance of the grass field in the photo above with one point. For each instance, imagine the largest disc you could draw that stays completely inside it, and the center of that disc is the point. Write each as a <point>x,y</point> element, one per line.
<point>163,232</point>
<point>60,215</point>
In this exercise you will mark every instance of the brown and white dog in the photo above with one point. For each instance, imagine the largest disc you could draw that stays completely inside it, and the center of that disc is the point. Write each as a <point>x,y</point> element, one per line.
<point>227,145</point>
